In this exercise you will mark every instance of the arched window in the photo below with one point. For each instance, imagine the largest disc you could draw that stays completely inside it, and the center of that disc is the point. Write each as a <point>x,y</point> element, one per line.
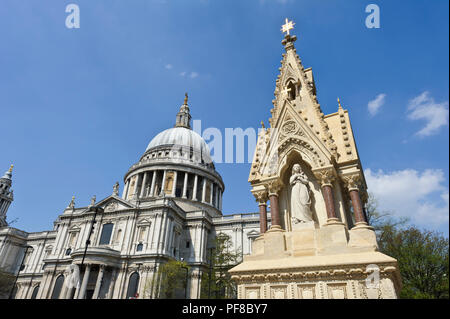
<point>133,284</point>
<point>139,247</point>
<point>68,251</point>
<point>105,237</point>
<point>58,286</point>
<point>35,292</point>
<point>292,92</point>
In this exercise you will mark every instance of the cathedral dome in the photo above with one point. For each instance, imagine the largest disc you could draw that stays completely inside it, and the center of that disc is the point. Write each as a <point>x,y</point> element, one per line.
<point>177,163</point>
<point>181,137</point>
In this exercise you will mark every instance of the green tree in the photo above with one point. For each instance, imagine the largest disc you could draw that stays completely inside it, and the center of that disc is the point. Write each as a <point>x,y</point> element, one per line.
<point>216,281</point>
<point>422,255</point>
<point>170,281</point>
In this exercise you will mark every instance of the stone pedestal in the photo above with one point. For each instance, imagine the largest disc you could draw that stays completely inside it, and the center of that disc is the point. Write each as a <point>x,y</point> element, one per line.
<point>317,263</point>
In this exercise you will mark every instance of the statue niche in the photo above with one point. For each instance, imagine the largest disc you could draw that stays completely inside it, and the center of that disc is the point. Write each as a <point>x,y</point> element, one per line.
<point>300,197</point>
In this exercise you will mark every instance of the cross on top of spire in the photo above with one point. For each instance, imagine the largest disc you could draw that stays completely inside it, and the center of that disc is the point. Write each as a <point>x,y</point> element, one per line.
<point>289,25</point>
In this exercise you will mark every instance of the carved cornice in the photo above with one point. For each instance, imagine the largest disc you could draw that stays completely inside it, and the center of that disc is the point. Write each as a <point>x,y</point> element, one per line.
<point>279,275</point>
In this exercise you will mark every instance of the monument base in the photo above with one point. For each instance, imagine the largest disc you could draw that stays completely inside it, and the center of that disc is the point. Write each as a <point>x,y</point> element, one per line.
<point>317,263</point>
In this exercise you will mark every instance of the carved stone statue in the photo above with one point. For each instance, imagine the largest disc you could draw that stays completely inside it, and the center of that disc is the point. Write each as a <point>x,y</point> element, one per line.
<point>300,199</point>
<point>93,199</point>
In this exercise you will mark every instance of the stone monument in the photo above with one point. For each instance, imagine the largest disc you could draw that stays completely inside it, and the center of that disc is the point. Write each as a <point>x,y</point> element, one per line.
<point>306,164</point>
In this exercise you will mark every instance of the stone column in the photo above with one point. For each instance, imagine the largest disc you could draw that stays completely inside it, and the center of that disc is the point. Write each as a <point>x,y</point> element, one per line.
<point>162,183</point>
<point>143,185</point>
<point>125,189</point>
<point>211,193</point>
<point>194,195</point>
<point>204,190</point>
<point>174,185</point>
<point>98,284</point>
<point>328,197</point>
<point>83,288</point>
<point>274,188</point>
<point>326,178</point>
<point>152,188</point>
<point>357,206</point>
<point>261,198</point>
<point>186,176</point>
<point>112,283</point>
<point>352,183</point>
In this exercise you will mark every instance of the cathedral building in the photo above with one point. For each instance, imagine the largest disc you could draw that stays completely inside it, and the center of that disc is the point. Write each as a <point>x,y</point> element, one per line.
<point>310,238</point>
<point>170,208</point>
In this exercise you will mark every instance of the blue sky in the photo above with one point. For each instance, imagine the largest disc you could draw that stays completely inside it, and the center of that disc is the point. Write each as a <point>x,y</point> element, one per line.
<point>79,106</point>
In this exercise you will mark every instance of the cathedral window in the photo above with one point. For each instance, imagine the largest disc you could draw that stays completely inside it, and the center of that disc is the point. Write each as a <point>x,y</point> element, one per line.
<point>106,234</point>
<point>133,284</point>
<point>142,233</point>
<point>139,247</point>
<point>68,251</point>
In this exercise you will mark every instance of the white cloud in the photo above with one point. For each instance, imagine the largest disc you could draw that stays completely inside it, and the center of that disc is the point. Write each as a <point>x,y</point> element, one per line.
<point>423,107</point>
<point>374,105</point>
<point>169,66</point>
<point>409,193</point>
<point>182,73</point>
<point>193,75</point>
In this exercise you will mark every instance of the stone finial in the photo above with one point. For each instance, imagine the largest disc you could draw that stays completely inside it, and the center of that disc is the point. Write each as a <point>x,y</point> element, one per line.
<point>93,199</point>
<point>8,173</point>
<point>185,98</point>
<point>339,102</point>
<point>72,203</point>
<point>262,124</point>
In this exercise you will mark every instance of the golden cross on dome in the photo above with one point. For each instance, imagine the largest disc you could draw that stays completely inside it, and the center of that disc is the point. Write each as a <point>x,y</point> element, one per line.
<point>289,25</point>
<point>185,98</point>
<point>11,168</point>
